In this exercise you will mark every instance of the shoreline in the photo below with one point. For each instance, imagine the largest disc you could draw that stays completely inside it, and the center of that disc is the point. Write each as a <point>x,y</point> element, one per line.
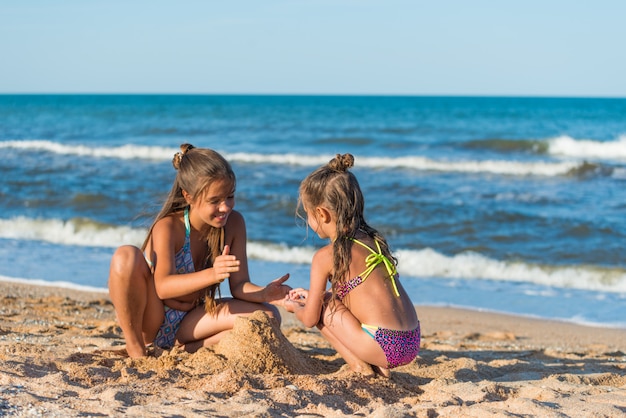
<point>57,347</point>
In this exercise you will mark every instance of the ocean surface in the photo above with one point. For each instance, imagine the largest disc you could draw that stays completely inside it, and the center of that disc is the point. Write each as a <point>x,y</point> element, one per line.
<point>512,205</point>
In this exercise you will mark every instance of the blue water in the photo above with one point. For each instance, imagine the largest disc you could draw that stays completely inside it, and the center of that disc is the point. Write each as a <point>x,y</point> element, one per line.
<point>505,204</point>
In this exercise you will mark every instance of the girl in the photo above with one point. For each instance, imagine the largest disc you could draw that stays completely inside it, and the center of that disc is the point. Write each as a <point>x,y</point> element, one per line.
<point>367,317</point>
<point>165,292</point>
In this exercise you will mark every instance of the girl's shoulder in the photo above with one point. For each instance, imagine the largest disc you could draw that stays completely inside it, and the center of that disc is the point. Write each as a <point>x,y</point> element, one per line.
<point>324,255</point>
<point>235,227</point>
<point>322,263</point>
<point>172,220</point>
<point>170,228</point>
<point>235,223</point>
<point>235,218</point>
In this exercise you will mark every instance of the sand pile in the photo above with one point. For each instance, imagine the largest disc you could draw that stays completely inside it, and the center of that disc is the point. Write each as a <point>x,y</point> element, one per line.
<point>257,345</point>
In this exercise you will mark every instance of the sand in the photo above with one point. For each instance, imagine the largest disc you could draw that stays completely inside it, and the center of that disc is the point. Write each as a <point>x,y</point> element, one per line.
<point>60,356</point>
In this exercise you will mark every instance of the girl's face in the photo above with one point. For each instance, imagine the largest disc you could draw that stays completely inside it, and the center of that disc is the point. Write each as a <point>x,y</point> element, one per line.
<point>214,205</point>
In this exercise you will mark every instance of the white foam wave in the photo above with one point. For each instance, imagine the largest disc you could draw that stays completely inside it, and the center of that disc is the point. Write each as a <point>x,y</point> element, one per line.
<point>413,263</point>
<point>125,152</point>
<point>61,284</point>
<point>502,167</point>
<point>469,265</point>
<point>511,168</point>
<point>80,232</point>
<point>420,163</point>
<point>567,146</point>
<point>280,253</point>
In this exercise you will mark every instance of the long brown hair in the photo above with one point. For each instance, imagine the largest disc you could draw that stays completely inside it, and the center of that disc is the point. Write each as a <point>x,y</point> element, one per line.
<point>337,189</point>
<point>196,170</point>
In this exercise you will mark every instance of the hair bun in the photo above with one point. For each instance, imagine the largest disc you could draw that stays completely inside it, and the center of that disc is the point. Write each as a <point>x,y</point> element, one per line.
<point>178,157</point>
<point>342,162</point>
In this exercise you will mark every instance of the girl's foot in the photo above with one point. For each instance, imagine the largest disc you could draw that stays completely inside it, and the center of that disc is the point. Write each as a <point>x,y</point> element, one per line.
<point>382,371</point>
<point>362,368</point>
<point>136,350</point>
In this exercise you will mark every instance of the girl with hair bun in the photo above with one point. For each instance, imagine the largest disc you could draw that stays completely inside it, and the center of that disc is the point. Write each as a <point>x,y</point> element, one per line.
<point>366,316</point>
<point>166,293</point>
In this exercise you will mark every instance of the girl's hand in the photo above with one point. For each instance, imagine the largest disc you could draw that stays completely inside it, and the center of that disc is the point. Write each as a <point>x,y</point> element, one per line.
<point>299,295</point>
<point>224,265</point>
<point>276,291</point>
<point>296,299</point>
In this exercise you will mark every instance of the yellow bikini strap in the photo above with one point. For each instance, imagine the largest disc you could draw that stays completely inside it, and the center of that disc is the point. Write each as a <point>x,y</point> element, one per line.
<point>374,259</point>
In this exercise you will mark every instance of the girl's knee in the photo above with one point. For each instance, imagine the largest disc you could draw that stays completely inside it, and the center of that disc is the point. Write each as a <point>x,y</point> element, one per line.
<point>123,254</point>
<point>125,259</point>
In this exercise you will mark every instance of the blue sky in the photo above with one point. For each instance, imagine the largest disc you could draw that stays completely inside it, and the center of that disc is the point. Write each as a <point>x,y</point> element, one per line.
<point>529,48</point>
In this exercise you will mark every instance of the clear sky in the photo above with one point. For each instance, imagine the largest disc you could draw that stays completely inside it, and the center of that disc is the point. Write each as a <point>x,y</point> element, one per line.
<point>406,47</point>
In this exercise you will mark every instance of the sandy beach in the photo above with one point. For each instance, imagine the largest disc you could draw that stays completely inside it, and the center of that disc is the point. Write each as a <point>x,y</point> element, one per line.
<point>60,356</point>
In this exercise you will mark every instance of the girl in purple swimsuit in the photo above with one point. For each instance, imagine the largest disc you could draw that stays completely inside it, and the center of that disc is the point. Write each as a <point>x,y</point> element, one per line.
<point>167,292</point>
<point>367,316</point>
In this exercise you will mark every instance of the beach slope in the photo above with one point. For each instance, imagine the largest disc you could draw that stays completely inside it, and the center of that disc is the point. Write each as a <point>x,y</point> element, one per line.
<point>60,356</point>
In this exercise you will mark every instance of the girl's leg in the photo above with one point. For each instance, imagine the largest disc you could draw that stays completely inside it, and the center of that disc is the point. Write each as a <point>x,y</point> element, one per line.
<point>355,363</point>
<point>138,308</point>
<point>193,346</point>
<point>343,331</point>
<point>199,329</point>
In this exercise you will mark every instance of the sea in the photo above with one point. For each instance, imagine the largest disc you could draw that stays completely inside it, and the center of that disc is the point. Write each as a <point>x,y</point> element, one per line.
<point>500,204</point>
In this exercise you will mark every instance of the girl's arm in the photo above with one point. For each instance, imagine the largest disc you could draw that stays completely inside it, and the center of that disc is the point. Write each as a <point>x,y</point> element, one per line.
<point>168,234</point>
<point>310,312</point>
<point>240,285</point>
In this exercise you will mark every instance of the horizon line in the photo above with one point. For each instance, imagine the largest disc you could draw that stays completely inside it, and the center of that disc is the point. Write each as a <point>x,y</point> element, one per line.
<point>407,95</point>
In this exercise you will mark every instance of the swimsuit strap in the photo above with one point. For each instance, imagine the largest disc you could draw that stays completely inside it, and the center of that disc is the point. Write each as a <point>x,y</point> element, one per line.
<point>374,259</point>
<point>187,223</point>
<point>183,259</point>
<point>370,330</point>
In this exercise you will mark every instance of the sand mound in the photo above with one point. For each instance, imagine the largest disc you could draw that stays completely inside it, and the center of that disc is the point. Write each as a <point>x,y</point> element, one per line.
<point>256,345</point>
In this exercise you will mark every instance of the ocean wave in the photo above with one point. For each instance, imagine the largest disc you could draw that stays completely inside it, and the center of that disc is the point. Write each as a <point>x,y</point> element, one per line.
<point>413,263</point>
<point>280,253</point>
<point>124,152</point>
<point>469,265</point>
<point>505,167</point>
<point>501,167</point>
<point>561,146</point>
<point>61,284</point>
<point>76,231</point>
<point>566,146</point>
